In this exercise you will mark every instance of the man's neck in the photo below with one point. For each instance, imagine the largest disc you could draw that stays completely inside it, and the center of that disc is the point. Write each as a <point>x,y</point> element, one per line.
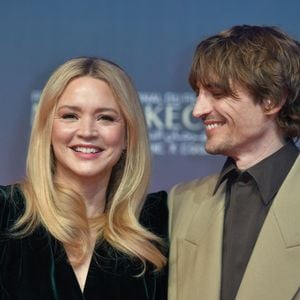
<point>246,160</point>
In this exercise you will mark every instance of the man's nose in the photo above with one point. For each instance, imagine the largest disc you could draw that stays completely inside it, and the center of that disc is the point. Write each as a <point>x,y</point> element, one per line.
<point>202,105</point>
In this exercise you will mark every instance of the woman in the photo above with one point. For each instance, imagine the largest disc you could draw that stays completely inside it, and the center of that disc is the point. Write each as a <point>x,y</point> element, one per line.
<point>78,226</point>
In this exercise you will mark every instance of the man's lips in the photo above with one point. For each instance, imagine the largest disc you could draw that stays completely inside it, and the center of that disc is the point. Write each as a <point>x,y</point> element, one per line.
<point>209,125</point>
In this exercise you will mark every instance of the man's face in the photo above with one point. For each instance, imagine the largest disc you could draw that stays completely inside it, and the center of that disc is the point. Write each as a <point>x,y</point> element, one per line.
<point>235,127</point>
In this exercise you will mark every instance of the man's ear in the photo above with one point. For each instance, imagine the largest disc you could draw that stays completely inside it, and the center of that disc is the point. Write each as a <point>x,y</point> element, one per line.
<point>272,108</point>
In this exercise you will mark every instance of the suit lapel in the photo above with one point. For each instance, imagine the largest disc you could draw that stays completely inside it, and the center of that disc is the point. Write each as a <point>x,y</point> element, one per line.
<point>273,271</point>
<point>205,215</point>
<point>200,251</point>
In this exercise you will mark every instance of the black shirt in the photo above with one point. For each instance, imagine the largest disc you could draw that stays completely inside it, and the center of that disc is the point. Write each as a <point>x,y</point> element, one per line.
<point>249,195</point>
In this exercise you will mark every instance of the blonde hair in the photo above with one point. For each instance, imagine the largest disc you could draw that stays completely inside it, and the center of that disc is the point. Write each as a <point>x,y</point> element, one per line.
<point>60,210</point>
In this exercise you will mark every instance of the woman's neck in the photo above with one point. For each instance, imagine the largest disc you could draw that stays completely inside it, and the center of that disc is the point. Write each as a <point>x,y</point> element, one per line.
<point>92,191</point>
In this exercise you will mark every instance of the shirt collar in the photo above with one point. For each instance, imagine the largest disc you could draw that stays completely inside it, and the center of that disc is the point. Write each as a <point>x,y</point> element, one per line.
<point>269,173</point>
<point>227,169</point>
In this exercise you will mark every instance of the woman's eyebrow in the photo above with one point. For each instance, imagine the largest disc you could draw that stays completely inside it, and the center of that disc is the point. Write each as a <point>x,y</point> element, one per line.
<point>77,108</point>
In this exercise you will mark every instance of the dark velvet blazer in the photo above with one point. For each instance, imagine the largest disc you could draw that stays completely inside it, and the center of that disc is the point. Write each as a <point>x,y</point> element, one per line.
<point>36,266</point>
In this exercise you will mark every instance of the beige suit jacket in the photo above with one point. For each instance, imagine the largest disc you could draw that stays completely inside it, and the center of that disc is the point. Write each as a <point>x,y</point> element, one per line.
<point>196,226</point>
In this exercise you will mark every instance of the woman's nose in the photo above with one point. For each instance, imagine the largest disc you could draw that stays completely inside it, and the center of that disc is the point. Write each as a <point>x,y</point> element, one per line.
<point>87,128</point>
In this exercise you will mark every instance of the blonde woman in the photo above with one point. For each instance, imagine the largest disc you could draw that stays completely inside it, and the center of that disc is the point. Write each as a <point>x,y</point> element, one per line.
<point>80,226</point>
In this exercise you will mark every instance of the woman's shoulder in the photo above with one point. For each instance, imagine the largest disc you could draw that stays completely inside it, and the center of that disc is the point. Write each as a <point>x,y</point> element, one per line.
<point>156,203</point>
<point>11,205</point>
<point>154,214</point>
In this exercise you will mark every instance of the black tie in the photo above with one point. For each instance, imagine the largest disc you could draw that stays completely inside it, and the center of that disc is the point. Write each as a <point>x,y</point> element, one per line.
<point>240,230</point>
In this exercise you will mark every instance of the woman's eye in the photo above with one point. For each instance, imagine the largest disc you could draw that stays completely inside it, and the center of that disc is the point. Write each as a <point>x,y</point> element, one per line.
<point>106,118</point>
<point>69,116</point>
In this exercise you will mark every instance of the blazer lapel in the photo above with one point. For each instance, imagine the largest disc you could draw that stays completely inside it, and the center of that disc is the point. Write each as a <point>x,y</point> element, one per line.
<point>200,249</point>
<point>273,271</point>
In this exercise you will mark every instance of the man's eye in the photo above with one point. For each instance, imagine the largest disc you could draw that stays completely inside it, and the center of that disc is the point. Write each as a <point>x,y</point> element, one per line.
<point>69,116</point>
<point>218,95</point>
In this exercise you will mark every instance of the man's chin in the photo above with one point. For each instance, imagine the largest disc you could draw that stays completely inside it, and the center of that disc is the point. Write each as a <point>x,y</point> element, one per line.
<point>215,149</point>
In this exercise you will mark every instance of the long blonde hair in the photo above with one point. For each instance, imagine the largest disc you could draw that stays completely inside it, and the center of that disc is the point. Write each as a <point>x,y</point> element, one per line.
<point>60,210</point>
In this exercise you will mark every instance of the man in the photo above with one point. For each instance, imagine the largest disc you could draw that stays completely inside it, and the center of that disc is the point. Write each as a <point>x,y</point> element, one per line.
<point>236,235</point>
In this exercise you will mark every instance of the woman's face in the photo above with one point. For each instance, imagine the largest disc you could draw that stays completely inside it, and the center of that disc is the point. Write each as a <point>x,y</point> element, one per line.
<point>88,133</point>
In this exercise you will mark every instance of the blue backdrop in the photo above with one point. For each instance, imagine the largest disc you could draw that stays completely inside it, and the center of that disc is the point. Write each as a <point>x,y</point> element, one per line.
<point>152,40</point>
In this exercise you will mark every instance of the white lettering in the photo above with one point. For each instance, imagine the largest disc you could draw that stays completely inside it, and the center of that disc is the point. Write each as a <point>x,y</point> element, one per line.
<point>152,116</point>
<point>172,114</point>
<point>187,119</point>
